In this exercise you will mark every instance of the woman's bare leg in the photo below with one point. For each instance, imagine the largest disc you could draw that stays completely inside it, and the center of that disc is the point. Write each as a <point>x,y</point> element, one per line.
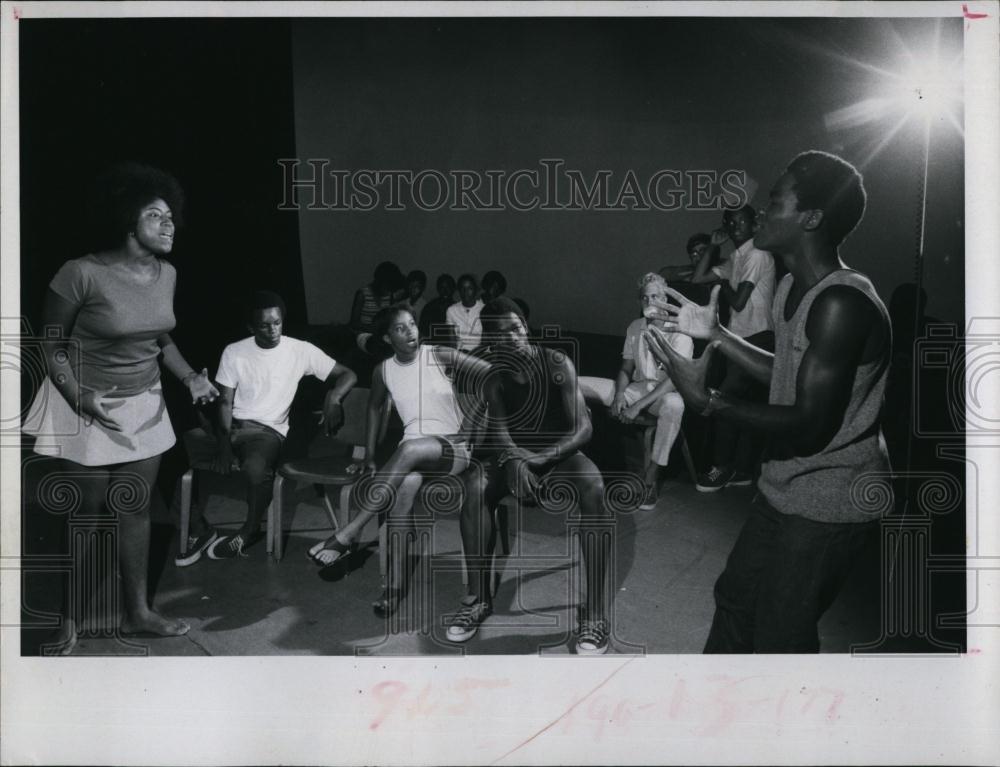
<point>422,454</point>
<point>90,482</point>
<point>400,535</point>
<point>129,494</point>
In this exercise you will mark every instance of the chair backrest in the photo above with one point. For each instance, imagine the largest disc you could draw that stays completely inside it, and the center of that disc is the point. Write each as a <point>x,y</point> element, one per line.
<point>353,432</point>
<point>355,415</point>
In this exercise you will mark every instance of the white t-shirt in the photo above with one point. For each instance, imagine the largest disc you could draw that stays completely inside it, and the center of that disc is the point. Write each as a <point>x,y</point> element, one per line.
<point>467,324</point>
<point>750,264</point>
<point>266,380</point>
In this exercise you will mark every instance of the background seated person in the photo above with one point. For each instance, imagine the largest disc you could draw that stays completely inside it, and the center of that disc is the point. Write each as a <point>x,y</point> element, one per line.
<point>463,315</point>
<point>422,381</point>
<point>525,310</point>
<point>416,284</point>
<point>376,295</point>
<point>698,245</point>
<point>257,381</point>
<point>494,286</point>
<point>537,424</point>
<point>642,385</point>
<point>709,266</point>
<point>433,320</point>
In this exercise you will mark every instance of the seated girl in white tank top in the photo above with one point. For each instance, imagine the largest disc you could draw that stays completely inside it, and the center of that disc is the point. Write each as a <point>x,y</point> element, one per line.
<point>435,432</point>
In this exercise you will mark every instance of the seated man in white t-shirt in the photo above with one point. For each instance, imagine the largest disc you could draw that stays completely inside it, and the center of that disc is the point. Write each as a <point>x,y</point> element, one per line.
<point>463,315</point>
<point>257,381</point>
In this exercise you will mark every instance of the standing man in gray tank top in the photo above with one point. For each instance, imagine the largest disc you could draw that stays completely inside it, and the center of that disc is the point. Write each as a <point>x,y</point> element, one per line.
<point>826,379</point>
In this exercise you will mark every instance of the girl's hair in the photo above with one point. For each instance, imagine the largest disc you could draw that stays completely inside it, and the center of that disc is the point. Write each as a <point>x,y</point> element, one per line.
<point>385,318</point>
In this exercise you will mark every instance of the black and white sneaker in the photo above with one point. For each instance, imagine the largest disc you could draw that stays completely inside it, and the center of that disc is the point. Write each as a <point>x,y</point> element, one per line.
<point>466,622</point>
<point>713,480</point>
<point>229,547</point>
<point>196,545</point>
<point>593,638</point>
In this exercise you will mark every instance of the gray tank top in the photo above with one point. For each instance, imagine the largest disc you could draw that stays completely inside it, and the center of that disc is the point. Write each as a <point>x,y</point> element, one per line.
<point>819,486</point>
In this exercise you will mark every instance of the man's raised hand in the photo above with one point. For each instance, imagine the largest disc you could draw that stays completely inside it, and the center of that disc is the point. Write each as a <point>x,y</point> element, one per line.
<point>689,318</point>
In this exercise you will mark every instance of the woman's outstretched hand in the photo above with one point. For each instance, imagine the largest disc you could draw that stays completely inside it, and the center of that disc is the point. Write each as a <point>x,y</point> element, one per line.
<point>201,388</point>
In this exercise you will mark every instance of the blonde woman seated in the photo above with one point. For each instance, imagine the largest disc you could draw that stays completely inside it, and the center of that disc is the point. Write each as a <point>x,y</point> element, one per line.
<point>643,386</point>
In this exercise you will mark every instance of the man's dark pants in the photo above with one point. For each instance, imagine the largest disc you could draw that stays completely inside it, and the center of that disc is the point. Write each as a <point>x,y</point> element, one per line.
<point>258,448</point>
<point>783,573</point>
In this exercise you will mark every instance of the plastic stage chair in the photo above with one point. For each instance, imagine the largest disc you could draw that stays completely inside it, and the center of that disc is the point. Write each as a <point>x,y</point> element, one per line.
<point>325,471</point>
<point>198,443</point>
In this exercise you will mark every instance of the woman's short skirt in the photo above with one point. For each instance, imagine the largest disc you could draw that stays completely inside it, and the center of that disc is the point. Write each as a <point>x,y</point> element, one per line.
<point>61,432</point>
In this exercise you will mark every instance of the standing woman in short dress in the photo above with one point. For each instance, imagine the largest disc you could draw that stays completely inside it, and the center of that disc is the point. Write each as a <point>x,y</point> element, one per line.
<point>101,408</point>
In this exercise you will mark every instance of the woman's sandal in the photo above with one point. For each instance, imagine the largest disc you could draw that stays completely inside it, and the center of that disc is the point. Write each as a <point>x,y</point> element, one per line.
<point>344,551</point>
<point>386,604</point>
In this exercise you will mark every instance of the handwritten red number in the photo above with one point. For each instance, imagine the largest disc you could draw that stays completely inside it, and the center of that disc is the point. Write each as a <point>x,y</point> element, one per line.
<point>387,695</point>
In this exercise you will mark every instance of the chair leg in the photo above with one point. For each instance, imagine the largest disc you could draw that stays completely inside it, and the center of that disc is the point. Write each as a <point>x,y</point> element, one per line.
<point>276,509</point>
<point>465,568</point>
<point>345,503</point>
<point>329,507</point>
<point>383,553</point>
<point>269,535</point>
<point>501,520</point>
<point>501,516</point>
<point>186,481</point>
<point>688,460</point>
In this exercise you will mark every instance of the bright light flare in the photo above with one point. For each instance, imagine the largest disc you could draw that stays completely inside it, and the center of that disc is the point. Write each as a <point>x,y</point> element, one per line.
<point>927,91</point>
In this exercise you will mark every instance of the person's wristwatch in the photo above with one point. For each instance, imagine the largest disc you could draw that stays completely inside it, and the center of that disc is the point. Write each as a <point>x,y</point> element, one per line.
<point>714,395</point>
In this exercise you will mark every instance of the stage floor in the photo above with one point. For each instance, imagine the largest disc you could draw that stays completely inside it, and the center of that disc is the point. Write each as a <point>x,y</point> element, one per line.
<point>666,563</point>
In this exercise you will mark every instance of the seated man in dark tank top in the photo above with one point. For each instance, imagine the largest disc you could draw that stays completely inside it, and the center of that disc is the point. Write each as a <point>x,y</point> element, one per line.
<point>827,379</point>
<point>537,423</point>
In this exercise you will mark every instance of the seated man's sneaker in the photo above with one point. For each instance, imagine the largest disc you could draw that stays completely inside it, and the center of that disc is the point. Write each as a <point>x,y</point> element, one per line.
<point>196,545</point>
<point>229,547</point>
<point>593,637</point>
<point>714,479</point>
<point>465,623</point>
